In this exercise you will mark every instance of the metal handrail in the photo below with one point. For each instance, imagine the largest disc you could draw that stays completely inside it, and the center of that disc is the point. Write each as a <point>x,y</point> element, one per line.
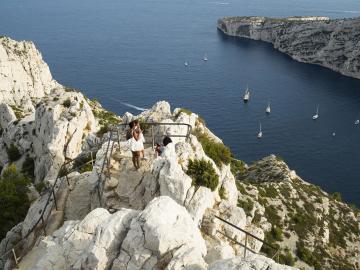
<point>247,234</point>
<point>115,129</point>
<point>60,177</point>
<point>52,192</point>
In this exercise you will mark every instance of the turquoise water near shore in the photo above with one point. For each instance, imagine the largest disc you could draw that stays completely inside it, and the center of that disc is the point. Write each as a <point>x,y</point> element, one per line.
<point>134,52</point>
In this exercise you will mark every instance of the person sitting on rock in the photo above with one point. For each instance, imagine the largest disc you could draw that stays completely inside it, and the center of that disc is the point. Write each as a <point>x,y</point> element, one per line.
<point>169,148</point>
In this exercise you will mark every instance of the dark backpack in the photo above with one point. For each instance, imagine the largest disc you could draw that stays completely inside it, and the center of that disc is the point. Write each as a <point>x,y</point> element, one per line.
<point>129,134</point>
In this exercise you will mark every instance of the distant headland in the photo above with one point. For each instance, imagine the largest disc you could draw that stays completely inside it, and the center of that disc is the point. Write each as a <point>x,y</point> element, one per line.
<point>315,40</point>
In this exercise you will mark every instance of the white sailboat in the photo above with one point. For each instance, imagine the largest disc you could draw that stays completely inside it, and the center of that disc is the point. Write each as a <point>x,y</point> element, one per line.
<point>357,121</point>
<point>260,133</point>
<point>186,64</point>
<point>205,58</point>
<point>268,109</point>
<point>316,116</point>
<point>247,94</point>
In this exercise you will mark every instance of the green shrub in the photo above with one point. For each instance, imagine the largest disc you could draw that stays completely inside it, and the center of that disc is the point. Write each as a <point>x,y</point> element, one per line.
<point>81,105</point>
<point>183,110</point>
<point>67,103</point>
<point>13,152</point>
<point>222,193</point>
<point>276,233</point>
<point>28,167</point>
<point>203,173</point>
<point>106,117</point>
<point>271,215</point>
<point>83,163</point>
<point>19,113</point>
<point>240,187</point>
<point>305,254</point>
<point>287,258</point>
<point>13,198</point>
<point>218,152</point>
<point>247,205</point>
<point>40,186</point>
<point>336,196</point>
<point>237,167</point>
<point>103,130</point>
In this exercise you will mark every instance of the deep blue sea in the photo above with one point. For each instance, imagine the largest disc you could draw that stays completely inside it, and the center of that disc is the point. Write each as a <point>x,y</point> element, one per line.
<point>133,51</point>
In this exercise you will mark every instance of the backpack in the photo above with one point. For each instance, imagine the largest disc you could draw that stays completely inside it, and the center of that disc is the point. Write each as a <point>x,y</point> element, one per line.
<point>129,134</point>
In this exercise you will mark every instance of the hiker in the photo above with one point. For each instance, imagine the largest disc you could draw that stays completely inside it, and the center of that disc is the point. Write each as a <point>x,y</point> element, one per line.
<point>137,146</point>
<point>137,127</point>
<point>169,148</point>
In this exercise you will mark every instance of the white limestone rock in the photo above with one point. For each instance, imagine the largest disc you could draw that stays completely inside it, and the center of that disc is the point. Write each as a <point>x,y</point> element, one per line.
<point>23,73</point>
<point>220,251</point>
<point>162,227</point>
<point>158,112</point>
<point>7,115</point>
<point>254,262</point>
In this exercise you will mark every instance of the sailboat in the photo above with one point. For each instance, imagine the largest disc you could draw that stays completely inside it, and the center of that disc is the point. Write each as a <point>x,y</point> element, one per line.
<point>268,109</point>
<point>247,94</point>
<point>205,57</point>
<point>357,121</point>
<point>260,133</point>
<point>316,116</point>
<point>186,64</point>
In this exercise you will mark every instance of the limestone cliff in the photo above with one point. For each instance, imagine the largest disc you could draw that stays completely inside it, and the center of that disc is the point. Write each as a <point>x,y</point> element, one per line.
<point>316,40</point>
<point>162,216</point>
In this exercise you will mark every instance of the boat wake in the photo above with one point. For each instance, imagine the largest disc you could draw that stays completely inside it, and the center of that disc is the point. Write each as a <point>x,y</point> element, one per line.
<point>133,106</point>
<point>219,3</point>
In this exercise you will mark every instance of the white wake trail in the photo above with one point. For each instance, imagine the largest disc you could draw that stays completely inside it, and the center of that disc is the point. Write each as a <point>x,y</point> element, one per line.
<point>133,106</point>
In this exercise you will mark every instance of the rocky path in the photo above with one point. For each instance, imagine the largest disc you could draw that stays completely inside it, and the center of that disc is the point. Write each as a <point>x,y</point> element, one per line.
<point>121,186</point>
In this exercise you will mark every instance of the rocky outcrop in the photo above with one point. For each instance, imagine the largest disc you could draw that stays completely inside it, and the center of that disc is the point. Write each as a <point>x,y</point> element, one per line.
<point>24,76</point>
<point>157,217</point>
<point>316,40</point>
<point>42,119</point>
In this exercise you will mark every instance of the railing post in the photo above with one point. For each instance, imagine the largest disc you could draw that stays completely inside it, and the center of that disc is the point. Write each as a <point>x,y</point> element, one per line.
<point>16,259</point>
<point>53,193</point>
<point>42,223</point>
<point>246,236</point>
<point>152,136</point>
<point>91,156</point>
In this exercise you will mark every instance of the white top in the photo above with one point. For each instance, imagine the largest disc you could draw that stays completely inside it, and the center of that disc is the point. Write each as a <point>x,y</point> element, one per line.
<point>137,145</point>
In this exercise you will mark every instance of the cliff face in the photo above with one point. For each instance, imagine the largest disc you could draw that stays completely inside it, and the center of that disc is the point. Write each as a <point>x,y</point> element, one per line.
<point>316,40</point>
<point>160,217</point>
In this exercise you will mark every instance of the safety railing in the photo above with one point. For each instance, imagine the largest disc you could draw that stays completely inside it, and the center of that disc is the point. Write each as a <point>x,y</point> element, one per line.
<point>120,130</point>
<point>51,203</point>
<point>67,168</point>
<point>247,235</point>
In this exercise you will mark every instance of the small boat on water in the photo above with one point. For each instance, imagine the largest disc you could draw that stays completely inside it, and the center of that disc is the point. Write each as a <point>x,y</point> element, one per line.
<point>316,116</point>
<point>334,134</point>
<point>247,94</point>
<point>205,58</point>
<point>268,109</point>
<point>357,121</point>
<point>260,133</point>
<point>186,64</point>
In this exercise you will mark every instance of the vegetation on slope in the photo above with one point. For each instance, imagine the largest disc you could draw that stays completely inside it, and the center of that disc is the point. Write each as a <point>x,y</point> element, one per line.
<point>13,198</point>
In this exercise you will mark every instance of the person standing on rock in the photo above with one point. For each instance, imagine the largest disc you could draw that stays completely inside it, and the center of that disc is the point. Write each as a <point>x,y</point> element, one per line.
<point>137,127</point>
<point>137,146</point>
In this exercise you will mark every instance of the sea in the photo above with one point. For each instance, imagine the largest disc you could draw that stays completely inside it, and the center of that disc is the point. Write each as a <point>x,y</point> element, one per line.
<point>128,53</point>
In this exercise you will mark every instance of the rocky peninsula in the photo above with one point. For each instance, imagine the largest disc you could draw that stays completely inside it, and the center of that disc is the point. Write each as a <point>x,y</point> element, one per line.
<point>109,216</point>
<point>333,44</point>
